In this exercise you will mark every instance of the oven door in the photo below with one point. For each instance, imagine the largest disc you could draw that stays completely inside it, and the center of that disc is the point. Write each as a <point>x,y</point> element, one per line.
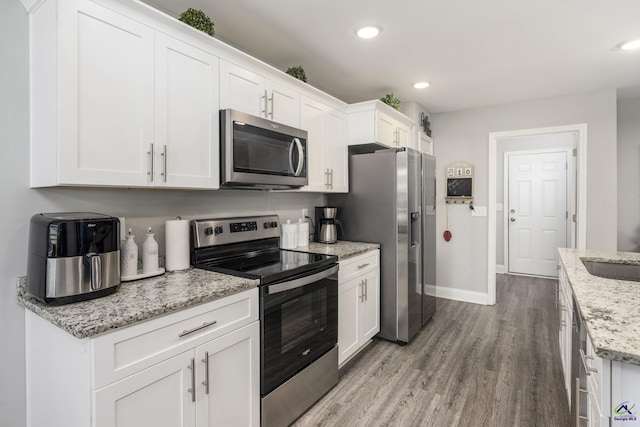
<point>257,152</point>
<point>299,323</point>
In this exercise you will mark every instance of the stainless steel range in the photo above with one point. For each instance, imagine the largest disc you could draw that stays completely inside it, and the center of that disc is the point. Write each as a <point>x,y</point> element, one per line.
<point>298,309</point>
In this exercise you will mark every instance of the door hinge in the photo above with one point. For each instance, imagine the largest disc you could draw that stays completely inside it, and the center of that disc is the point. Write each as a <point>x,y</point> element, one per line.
<point>575,152</point>
<point>566,215</point>
<point>573,217</point>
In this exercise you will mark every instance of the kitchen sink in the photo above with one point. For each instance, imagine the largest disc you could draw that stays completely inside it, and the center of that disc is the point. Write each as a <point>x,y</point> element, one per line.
<point>611,270</point>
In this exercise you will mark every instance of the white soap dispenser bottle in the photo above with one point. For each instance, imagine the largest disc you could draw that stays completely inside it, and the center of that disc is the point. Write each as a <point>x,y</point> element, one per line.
<point>129,257</point>
<point>149,254</point>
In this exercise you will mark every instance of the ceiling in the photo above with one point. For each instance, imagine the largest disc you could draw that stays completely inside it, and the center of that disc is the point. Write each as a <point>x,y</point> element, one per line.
<point>474,53</point>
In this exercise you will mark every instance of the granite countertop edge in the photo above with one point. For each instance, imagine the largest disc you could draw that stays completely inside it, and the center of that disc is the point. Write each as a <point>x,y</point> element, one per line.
<point>136,301</point>
<point>146,299</point>
<point>343,249</point>
<point>609,308</point>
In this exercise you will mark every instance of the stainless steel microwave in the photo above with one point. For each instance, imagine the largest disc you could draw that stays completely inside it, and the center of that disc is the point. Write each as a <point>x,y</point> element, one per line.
<point>261,154</point>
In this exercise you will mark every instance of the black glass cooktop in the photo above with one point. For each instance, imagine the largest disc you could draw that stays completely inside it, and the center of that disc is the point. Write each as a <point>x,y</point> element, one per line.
<point>270,266</point>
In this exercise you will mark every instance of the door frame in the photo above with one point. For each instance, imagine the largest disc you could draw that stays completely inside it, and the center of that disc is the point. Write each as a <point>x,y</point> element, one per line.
<point>581,192</point>
<point>570,196</point>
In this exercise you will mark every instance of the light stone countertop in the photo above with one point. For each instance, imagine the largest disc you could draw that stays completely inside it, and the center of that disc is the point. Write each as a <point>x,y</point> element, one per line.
<point>609,308</point>
<point>342,249</point>
<point>148,298</point>
<point>137,300</point>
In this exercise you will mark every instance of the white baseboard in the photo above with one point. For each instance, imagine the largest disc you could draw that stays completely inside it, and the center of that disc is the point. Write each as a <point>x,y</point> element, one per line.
<point>458,294</point>
<point>501,269</point>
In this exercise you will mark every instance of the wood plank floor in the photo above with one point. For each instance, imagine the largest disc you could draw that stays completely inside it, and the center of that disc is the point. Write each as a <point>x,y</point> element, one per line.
<point>472,365</point>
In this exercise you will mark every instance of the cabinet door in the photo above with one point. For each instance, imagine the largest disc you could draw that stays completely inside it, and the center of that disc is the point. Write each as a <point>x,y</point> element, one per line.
<point>241,90</point>
<point>233,363</point>
<point>105,97</point>
<point>336,150</point>
<point>370,307</point>
<point>385,129</point>
<point>402,136</point>
<point>349,299</point>
<point>312,120</point>
<point>283,104</point>
<point>158,396</point>
<point>187,117</point>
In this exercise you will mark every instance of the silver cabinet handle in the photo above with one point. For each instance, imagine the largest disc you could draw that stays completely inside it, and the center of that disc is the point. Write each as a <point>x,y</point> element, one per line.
<point>326,178</point>
<point>363,265</point>
<point>588,369</point>
<point>192,390</point>
<point>366,292</point>
<point>264,112</point>
<point>578,391</point>
<point>151,154</point>
<point>205,383</point>
<point>164,163</point>
<point>361,296</point>
<point>272,105</point>
<point>197,328</point>
<point>331,178</point>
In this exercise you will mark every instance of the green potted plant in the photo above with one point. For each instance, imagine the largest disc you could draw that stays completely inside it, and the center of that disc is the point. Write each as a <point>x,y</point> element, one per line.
<point>297,72</point>
<point>198,20</point>
<point>391,100</point>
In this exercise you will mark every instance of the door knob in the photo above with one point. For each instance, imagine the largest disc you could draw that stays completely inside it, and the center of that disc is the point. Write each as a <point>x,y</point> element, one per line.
<point>513,220</point>
<point>512,211</point>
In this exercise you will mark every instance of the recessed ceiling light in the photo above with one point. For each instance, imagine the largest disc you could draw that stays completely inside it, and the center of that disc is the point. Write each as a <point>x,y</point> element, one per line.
<point>630,45</point>
<point>421,85</point>
<point>369,31</point>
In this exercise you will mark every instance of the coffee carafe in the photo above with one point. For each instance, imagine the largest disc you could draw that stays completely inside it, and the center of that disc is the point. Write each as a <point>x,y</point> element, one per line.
<point>327,226</point>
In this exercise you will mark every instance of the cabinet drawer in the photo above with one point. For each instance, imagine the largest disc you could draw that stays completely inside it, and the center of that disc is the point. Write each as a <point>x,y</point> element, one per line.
<point>352,267</point>
<point>122,353</point>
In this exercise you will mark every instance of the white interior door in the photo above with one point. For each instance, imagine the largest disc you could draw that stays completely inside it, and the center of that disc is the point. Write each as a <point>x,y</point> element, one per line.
<point>537,212</point>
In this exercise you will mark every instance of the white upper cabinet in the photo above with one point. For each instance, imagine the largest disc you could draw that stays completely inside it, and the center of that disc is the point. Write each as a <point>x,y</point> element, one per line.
<point>376,122</point>
<point>244,90</point>
<point>327,145</point>
<point>116,103</point>
<point>187,121</point>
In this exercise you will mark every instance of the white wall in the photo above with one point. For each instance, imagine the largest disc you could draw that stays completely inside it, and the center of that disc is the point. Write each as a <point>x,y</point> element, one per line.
<point>629,175</point>
<point>463,136</point>
<point>142,208</point>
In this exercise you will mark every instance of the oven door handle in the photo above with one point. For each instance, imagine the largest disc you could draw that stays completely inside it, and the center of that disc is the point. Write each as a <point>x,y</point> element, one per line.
<point>303,281</point>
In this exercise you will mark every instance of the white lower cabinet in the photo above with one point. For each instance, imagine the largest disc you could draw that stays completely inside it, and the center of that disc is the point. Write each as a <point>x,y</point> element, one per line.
<point>358,303</point>
<point>196,367</point>
<point>157,396</point>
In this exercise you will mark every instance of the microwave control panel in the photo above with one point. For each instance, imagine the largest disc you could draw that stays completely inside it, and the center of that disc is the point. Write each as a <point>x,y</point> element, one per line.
<point>459,178</point>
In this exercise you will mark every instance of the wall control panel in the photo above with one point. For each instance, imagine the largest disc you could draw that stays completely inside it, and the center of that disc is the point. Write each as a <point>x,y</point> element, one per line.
<point>459,177</point>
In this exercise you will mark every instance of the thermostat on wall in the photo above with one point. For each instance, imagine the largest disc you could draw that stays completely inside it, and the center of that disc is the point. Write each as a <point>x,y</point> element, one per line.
<point>459,182</point>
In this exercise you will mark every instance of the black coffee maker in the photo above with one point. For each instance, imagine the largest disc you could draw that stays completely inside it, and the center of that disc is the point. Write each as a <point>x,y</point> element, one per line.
<point>327,226</point>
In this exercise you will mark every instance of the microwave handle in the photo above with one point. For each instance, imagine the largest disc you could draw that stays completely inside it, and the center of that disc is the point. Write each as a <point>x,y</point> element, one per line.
<point>297,144</point>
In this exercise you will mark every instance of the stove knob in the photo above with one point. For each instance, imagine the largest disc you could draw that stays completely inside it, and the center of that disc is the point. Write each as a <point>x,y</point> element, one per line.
<point>274,224</point>
<point>208,231</point>
<point>218,230</point>
<point>266,225</point>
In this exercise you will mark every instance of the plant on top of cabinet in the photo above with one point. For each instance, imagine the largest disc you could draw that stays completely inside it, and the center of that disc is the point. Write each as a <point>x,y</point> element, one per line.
<point>297,72</point>
<point>198,20</point>
<point>391,100</point>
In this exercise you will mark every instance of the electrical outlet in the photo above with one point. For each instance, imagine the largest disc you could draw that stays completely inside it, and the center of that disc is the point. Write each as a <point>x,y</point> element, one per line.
<point>305,213</point>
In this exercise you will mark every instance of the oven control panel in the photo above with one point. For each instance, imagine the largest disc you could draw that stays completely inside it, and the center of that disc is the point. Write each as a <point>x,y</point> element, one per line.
<point>222,231</point>
<point>238,227</point>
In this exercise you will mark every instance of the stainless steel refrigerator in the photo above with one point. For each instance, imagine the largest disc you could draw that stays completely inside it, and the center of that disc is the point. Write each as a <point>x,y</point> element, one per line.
<point>391,201</point>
